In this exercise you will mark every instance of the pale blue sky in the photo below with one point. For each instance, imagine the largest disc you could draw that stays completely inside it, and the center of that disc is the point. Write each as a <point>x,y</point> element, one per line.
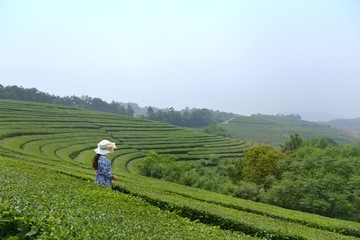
<point>241,56</point>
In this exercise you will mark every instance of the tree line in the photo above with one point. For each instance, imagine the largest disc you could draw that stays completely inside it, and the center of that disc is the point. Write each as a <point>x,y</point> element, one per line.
<point>188,117</point>
<point>317,176</point>
<point>184,118</point>
<point>85,102</point>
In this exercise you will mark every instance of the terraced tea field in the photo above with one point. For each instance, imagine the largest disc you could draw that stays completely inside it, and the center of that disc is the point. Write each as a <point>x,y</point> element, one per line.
<point>47,191</point>
<point>275,130</point>
<point>45,131</point>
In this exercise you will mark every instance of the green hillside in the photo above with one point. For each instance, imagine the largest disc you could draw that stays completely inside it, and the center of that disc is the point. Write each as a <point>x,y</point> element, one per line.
<point>47,189</point>
<point>349,126</point>
<point>275,130</point>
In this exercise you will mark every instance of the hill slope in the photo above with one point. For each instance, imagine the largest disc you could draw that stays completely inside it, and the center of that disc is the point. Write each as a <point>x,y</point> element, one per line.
<point>45,154</point>
<point>52,126</point>
<point>349,126</point>
<point>275,130</point>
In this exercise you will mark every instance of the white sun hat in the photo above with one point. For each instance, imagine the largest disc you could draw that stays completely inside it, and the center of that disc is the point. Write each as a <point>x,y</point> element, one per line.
<point>105,147</point>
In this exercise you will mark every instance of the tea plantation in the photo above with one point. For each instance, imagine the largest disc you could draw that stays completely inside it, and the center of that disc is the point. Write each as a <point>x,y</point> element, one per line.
<point>275,130</point>
<point>47,189</point>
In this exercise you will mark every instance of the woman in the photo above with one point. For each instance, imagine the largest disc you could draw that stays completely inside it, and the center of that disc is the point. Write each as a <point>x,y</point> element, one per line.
<point>102,165</point>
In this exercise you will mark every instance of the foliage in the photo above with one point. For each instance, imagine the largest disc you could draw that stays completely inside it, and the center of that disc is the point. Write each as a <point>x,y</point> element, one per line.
<point>190,117</point>
<point>195,118</point>
<point>295,142</point>
<point>322,181</point>
<point>206,174</point>
<point>63,207</point>
<point>157,165</point>
<point>246,190</point>
<point>322,142</point>
<point>11,226</point>
<point>292,144</point>
<point>260,165</point>
<point>217,130</point>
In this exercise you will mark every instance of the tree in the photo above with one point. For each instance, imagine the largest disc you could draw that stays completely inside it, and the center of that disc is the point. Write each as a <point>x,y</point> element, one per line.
<point>293,143</point>
<point>150,113</point>
<point>235,171</point>
<point>174,117</point>
<point>320,181</point>
<point>99,104</point>
<point>323,142</point>
<point>2,91</point>
<point>129,110</point>
<point>199,118</point>
<point>157,165</point>
<point>216,130</point>
<point>260,165</point>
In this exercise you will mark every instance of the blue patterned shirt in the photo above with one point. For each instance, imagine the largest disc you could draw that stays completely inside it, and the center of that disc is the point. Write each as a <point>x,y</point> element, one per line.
<point>103,173</point>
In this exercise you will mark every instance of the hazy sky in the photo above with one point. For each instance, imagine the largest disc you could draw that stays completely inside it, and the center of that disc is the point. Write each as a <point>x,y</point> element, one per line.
<point>240,56</point>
